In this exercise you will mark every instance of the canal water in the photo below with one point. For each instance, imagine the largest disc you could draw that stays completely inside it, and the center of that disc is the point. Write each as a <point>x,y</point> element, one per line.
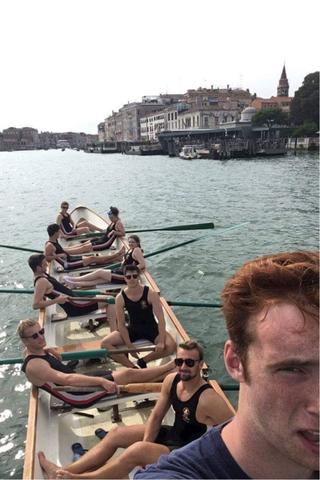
<point>278,197</point>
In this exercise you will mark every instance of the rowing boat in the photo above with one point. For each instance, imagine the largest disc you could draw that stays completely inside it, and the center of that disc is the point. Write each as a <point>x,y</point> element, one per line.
<point>53,428</point>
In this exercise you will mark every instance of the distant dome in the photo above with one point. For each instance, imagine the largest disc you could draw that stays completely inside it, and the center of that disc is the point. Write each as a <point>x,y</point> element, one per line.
<point>247,114</point>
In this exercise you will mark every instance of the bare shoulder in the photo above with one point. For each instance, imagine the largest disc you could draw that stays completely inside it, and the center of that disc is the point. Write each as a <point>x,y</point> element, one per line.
<point>167,382</point>
<point>37,365</point>
<point>153,296</point>
<point>42,282</point>
<point>119,299</point>
<point>210,397</point>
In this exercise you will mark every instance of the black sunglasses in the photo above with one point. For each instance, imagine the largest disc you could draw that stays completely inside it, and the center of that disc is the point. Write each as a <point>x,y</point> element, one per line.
<point>36,335</point>
<point>134,275</point>
<point>190,362</point>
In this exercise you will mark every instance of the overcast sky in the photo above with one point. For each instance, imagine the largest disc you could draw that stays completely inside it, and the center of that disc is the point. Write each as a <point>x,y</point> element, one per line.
<point>66,64</point>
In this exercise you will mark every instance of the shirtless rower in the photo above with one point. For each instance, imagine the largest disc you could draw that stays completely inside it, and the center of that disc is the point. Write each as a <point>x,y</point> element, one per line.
<point>196,406</point>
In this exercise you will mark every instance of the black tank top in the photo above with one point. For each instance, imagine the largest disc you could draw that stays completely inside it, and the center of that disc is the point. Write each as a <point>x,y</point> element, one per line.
<point>140,312</point>
<point>128,259</point>
<point>186,425</point>
<point>59,249</point>
<point>111,227</point>
<point>53,362</point>
<point>67,225</point>
<point>57,287</point>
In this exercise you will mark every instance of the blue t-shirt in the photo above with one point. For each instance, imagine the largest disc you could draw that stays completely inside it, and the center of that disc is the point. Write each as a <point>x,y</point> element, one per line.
<point>206,457</point>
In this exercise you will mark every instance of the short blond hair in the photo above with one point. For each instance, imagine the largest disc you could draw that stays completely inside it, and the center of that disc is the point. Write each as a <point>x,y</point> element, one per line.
<point>24,324</point>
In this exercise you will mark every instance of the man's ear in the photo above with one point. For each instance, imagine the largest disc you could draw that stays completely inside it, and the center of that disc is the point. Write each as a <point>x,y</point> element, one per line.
<point>233,363</point>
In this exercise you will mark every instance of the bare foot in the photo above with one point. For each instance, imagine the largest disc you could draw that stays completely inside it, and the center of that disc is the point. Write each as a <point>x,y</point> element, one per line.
<point>50,469</point>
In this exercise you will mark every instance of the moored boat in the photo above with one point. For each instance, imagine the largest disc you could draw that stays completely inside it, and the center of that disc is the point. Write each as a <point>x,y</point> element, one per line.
<point>189,152</point>
<point>53,427</point>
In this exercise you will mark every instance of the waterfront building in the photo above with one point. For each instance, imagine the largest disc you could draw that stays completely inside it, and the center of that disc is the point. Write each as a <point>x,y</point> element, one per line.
<point>151,125</point>
<point>102,132</point>
<point>125,125</point>
<point>282,101</point>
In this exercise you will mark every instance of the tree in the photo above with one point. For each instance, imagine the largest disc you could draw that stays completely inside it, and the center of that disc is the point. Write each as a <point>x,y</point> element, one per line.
<point>308,129</point>
<point>305,103</point>
<point>269,117</point>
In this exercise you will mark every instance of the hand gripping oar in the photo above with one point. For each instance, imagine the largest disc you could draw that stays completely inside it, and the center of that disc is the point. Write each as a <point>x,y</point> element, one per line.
<point>174,228</point>
<point>85,354</point>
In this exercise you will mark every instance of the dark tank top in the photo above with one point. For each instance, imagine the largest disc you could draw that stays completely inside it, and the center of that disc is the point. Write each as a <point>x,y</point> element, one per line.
<point>140,312</point>
<point>58,248</point>
<point>67,226</point>
<point>186,426</point>
<point>128,259</point>
<point>57,287</point>
<point>53,362</point>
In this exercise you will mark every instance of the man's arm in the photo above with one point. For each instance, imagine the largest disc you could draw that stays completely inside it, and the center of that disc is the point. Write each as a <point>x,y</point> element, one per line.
<point>39,293</point>
<point>50,252</point>
<point>212,409</point>
<point>162,406</point>
<point>154,300</point>
<point>39,372</point>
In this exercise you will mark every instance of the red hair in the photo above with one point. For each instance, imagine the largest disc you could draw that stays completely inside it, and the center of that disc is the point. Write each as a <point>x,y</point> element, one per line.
<point>291,277</point>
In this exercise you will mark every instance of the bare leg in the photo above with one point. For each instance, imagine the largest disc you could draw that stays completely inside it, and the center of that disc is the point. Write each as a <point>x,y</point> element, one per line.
<point>79,249</point>
<point>84,223</point>
<point>170,348</point>
<point>140,453</point>
<point>152,374</point>
<point>119,437</point>
<point>114,340</point>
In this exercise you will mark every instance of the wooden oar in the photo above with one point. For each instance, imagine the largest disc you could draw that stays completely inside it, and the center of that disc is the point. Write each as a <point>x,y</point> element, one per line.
<point>129,388</point>
<point>175,228</point>
<point>84,354</point>
<point>23,249</point>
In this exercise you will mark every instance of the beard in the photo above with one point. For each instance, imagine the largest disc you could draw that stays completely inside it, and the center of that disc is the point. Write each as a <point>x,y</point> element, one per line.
<point>186,376</point>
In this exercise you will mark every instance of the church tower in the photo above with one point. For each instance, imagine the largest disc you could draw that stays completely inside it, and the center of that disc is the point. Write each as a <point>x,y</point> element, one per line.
<point>283,86</point>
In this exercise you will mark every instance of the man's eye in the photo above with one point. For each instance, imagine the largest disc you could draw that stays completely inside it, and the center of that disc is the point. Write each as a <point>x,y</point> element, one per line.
<point>290,369</point>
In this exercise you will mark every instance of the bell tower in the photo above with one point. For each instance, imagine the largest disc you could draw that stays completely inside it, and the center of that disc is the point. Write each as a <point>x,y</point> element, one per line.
<point>283,86</point>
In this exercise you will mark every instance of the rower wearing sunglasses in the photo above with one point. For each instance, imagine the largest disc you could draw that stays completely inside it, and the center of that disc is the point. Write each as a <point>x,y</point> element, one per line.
<point>196,406</point>
<point>44,368</point>
<point>146,321</point>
